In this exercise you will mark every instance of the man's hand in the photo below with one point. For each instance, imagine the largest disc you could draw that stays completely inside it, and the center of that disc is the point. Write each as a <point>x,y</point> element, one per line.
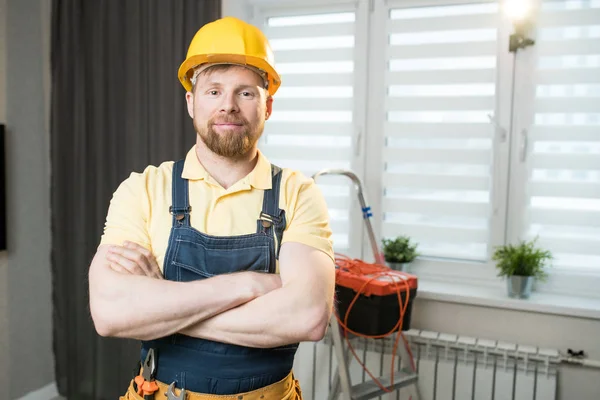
<point>131,258</point>
<point>124,304</point>
<point>298,311</point>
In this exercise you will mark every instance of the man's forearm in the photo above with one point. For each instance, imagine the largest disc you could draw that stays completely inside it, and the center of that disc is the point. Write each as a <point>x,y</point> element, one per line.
<point>140,307</point>
<point>280,317</point>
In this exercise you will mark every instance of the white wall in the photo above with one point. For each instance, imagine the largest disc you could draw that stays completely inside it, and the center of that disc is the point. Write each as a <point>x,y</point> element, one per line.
<point>235,8</point>
<point>26,361</point>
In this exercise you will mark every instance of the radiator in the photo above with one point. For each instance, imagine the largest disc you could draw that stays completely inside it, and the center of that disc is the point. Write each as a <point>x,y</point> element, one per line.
<point>450,367</point>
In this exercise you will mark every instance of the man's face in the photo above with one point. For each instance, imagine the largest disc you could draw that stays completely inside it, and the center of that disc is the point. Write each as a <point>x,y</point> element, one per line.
<point>229,107</point>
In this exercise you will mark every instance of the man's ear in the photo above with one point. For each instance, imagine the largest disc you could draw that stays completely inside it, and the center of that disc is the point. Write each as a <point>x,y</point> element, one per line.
<point>189,100</point>
<point>269,107</point>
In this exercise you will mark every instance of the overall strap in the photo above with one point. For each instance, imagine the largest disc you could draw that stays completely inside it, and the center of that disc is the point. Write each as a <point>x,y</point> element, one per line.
<point>271,217</point>
<point>180,207</point>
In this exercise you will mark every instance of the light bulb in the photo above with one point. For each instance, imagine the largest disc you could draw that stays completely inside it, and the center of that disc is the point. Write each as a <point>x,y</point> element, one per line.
<point>517,10</point>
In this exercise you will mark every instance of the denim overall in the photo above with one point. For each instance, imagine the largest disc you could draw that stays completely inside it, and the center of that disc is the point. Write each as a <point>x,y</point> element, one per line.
<point>206,366</point>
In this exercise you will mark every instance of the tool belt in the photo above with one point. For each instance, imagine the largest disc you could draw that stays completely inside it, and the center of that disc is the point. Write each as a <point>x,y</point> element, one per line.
<point>286,389</point>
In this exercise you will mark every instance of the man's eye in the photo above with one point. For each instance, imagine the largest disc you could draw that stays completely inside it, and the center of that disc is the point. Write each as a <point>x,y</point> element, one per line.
<point>247,94</point>
<point>213,92</point>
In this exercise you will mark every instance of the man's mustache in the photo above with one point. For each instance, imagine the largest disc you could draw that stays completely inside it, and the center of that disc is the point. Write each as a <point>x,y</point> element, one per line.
<point>228,120</point>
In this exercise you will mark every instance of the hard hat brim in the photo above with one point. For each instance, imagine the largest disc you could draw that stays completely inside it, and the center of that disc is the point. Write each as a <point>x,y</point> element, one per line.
<point>186,70</point>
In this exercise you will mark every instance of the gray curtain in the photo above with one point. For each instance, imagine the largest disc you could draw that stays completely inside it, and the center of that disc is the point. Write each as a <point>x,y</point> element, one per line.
<point>117,106</point>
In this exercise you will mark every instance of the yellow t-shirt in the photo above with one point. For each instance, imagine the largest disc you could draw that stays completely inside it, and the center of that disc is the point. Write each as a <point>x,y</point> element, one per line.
<point>139,209</point>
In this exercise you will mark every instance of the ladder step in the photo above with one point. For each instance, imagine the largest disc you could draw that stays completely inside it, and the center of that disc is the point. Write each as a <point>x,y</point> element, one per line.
<point>370,389</point>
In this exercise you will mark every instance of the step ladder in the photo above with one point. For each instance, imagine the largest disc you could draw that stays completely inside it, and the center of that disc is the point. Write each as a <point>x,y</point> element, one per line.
<point>369,389</point>
<point>342,384</point>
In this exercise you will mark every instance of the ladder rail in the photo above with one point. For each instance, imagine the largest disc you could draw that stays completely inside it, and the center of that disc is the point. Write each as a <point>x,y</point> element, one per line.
<point>369,389</point>
<point>365,208</point>
<point>343,374</point>
<point>342,383</point>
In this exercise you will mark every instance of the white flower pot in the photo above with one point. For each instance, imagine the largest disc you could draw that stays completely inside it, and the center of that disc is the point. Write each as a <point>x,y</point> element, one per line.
<point>404,267</point>
<point>519,286</point>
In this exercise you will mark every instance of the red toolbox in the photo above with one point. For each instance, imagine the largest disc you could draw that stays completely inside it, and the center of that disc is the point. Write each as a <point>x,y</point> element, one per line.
<point>377,309</point>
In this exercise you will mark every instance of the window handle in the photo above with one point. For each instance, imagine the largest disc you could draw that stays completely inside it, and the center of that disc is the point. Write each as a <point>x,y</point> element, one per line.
<point>358,142</point>
<point>524,144</point>
<point>499,129</point>
<point>496,180</point>
<point>500,136</point>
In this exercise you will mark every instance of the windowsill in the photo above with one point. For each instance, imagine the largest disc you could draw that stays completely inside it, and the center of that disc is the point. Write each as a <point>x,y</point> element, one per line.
<point>496,297</point>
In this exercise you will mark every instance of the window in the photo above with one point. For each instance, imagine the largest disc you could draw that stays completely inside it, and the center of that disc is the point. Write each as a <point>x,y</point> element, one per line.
<point>438,139</point>
<point>462,144</point>
<point>313,123</point>
<point>561,152</point>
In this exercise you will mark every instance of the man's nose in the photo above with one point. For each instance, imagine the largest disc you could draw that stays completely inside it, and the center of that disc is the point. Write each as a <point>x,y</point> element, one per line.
<point>229,104</point>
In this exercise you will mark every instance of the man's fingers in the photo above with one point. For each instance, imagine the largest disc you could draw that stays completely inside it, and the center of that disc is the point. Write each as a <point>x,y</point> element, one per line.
<point>133,255</point>
<point>134,246</point>
<point>154,268</point>
<point>158,274</point>
<point>120,261</point>
<point>117,268</point>
<point>139,255</point>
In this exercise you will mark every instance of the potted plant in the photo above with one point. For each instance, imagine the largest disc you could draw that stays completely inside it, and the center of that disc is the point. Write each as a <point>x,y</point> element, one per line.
<point>399,252</point>
<point>521,264</point>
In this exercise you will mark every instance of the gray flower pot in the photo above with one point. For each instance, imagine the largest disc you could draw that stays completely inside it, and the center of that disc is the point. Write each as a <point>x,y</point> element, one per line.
<point>519,286</point>
<point>404,267</point>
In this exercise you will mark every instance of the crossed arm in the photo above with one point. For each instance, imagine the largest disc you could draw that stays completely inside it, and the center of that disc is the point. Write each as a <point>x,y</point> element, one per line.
<point>299,310</point>
<point>128,299</point>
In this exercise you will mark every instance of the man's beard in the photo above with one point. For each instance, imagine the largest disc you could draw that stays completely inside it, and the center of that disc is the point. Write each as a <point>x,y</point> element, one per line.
<point>233,144</point>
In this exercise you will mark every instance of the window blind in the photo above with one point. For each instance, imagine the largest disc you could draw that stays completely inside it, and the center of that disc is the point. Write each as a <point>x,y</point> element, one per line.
<point>563,146</point>
<point>311,127</point>
<point>440,83</point>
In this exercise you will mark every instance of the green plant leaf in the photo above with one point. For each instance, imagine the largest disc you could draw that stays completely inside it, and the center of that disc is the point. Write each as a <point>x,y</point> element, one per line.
<point>399,250</point>
<point>523,259</point>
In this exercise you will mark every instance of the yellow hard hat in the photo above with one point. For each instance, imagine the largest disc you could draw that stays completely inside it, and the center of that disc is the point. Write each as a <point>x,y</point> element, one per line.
<point>230,41</point>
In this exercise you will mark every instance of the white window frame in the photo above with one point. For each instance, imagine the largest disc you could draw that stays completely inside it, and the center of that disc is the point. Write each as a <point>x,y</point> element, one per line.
<point>571,282</point>
<point>513,113</point>
<point>451,271</point>
<point>263,9</point>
